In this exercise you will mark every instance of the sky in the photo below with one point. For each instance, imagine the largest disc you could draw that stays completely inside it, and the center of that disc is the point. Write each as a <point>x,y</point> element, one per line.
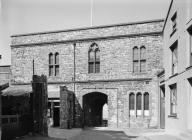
<point>27,16</point>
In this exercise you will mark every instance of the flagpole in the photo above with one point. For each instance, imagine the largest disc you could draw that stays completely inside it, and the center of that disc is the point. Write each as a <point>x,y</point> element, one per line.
<point>91,22</point>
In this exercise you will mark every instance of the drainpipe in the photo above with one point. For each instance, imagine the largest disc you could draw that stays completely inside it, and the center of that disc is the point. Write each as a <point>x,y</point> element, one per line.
<point>117,110</point>
<point>33,67</point>
<point>159,102</point>
<point>74,71</point>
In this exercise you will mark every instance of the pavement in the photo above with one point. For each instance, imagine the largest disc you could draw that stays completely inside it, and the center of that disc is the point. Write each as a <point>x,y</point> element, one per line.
<point>104,133</point>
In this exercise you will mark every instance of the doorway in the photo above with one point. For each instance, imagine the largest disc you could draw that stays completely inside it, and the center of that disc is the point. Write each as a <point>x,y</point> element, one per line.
<point>56,117</point>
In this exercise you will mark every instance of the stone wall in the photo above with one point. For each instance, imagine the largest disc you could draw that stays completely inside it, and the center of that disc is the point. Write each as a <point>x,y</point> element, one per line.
<point>118,100</point>
<point>70,110</point>
<point>116,78</point>
<point>116,60</point>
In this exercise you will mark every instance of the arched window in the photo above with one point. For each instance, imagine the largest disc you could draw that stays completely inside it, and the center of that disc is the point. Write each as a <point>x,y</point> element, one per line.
<point>91,60</point>
<point>139,59</point>
<point>97,61</point>
<point>139,104</point>
<point>50,59</point>
<point>142,59</point>
<point>132,104</point>
<point>57,58</point>
<point>56,64</point>
<point>135,59</point>
<point>146,104</point>
<point>135,53</point>
<point>91,55</point>
<point>94,59</point>
<point>53,64</point>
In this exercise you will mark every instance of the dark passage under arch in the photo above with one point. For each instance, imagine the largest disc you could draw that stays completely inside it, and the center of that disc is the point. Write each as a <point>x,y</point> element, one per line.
<point>93,107</point>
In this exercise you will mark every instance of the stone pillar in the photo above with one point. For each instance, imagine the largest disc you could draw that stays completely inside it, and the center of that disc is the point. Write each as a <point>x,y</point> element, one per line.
<point>40,98</point>
<point>64,107</point>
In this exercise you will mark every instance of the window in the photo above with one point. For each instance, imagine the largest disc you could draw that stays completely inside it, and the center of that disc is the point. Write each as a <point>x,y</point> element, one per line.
<point>142,59</point>
<point>139,104</point>
<point>174,22</point>
<point>50,64</point>
<point>174,58</point>
<point>190,45</point>
<point>173,99</point>
<point>135,59</point>
<point>94,59</point>
<point>97,61</point>
<point>146,104</point>
<point>53,64</point>
<point>50,59</point>
<point>190,50</point>
<point>132,104</point>
<point>139,59</point>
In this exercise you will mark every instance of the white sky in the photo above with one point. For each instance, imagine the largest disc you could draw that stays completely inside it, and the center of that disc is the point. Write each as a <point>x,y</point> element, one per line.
<point>24,16</point>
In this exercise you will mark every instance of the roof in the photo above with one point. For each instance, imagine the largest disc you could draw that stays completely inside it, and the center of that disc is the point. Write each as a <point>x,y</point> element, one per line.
<point>87,28</point>
<point>167,14</point>
<point>17,90</point>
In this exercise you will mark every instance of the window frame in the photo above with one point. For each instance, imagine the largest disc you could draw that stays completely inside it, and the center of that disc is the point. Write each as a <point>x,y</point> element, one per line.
<point>95,61</point>
<point>143,59</point>
<point>173,102</point>
<point>54,65</point>
<point>136,60</point>
<point>174,55</point>
<point>140,60</point>
<point>146,105</point>
<point>139,104</point>
<point>174,23</point>
<point>132,104</point>
<point>190,45</point>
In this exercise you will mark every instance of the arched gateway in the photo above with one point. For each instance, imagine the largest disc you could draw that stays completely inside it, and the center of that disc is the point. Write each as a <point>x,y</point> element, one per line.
<point>93,109</point>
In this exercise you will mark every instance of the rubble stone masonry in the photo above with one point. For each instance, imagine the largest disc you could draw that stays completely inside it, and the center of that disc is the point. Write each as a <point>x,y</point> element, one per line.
<point>116,78</point>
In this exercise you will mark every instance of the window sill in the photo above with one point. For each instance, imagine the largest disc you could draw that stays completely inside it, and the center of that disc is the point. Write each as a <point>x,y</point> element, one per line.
<point>173,75</point>
<point>173,32</point>
<point>173,116</point>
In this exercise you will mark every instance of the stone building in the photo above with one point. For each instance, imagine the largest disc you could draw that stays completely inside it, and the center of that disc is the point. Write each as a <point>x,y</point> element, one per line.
<point>115,66</point>
<point>177,34</point>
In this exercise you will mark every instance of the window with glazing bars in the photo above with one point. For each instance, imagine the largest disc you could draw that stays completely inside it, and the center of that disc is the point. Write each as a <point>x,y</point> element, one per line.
<point>94,59</point>
<point>54,64</point>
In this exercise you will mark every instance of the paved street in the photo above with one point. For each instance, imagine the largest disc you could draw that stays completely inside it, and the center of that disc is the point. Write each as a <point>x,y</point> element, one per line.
<point>78,134</point>
<point>102,135</point>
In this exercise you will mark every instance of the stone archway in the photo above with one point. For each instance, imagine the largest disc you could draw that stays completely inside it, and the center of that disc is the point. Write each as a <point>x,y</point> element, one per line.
<point>93,108</point>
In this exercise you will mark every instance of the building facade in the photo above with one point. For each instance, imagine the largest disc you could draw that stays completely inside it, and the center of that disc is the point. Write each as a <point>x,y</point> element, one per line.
<point>115,67</point>
<point>177,63</point>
